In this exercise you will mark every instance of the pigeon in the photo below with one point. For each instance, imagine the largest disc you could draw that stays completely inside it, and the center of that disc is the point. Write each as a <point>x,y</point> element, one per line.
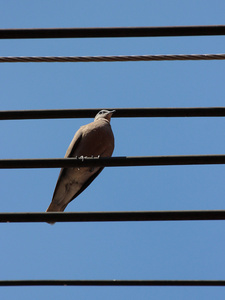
<point>95,139</point>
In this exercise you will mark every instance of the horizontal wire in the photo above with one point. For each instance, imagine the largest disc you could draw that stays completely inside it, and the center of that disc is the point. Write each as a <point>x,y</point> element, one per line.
<point>115,282</point>
<point>119,161</point>
<point>119,58</point>
<point>109,32</point>
<point>118,216</point>
<point>120,113</point>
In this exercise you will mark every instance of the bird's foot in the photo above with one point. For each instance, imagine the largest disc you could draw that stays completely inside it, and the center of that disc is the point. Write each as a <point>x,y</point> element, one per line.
<point>81,157</point>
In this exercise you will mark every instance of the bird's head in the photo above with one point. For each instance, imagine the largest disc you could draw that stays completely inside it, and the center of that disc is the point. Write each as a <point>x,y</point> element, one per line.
<point>104,114</point>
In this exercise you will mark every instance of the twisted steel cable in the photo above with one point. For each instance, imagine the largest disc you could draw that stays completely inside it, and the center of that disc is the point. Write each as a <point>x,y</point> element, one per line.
<point>118,58</point>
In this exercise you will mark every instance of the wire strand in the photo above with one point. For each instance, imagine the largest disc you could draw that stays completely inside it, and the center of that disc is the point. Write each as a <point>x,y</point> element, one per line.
<point>114,282</point>
<point>119,58</point>
<point>126,216</point>
<point>109,32</point>
<point>120,113</point>
<point>119,161</point>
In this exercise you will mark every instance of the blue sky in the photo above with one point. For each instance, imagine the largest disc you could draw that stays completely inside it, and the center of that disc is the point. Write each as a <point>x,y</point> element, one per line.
<point>140,250</point>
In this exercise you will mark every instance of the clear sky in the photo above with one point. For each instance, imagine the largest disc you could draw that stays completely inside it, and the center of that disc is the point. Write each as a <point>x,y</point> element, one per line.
<point>138,250</point>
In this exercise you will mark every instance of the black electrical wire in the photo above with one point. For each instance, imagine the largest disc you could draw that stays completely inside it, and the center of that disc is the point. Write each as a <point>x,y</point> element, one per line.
<point>124,216</point>
<point>120,113</point>
<point>109,32</point>
<point>115,282</point>
<point>171,160</point>
<point>115,161</point>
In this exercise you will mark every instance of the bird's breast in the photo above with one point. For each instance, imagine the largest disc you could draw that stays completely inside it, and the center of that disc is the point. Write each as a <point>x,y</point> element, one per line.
<point>97,140</point>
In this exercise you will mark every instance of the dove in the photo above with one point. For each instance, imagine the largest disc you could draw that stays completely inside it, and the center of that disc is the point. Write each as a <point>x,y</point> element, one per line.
<point>95,139</point>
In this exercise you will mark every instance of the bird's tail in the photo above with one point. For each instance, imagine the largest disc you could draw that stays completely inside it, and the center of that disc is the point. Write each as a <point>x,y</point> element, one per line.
<point>54,208</point>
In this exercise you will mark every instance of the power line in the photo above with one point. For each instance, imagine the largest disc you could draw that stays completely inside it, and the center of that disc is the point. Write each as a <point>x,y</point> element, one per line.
<point>119,161</point>
<point>114,282</point>
<point>120,113</point>
<point>126,216</point>
<point>118,58</point>
<point>109,32</point>
<point>115,161</point>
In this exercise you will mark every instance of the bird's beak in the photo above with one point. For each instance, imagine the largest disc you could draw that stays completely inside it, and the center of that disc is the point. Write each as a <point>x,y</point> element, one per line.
<point>109,114</point>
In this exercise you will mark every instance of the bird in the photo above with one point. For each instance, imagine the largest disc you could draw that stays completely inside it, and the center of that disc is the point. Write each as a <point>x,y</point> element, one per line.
<point>95,139</point>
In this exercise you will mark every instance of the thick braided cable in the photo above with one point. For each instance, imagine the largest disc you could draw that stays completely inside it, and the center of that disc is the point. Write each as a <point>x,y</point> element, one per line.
<point>119,58</point>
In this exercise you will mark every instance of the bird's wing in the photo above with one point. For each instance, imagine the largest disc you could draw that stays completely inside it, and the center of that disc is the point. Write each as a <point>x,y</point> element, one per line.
<point>71,151</point>
<point>87,183</point>
<point>72,147</point>
<point>74,143</point>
